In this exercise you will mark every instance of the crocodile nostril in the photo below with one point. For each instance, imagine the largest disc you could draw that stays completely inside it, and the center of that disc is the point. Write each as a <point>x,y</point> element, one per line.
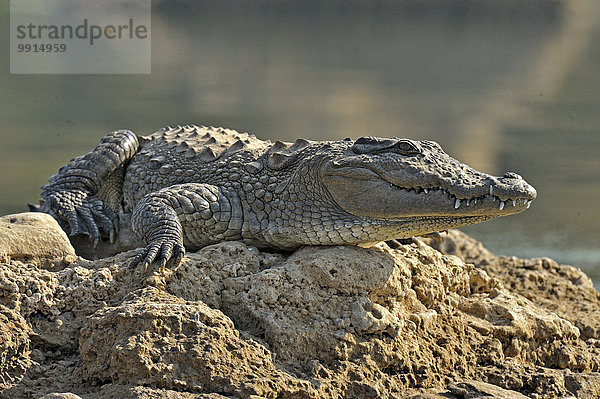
<point>512,175</point>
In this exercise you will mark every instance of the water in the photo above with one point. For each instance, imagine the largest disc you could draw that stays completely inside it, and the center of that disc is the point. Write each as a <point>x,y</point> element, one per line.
<point>501,85</point>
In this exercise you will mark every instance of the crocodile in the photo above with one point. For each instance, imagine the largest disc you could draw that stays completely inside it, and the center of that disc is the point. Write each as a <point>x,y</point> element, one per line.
<point>186,187</point>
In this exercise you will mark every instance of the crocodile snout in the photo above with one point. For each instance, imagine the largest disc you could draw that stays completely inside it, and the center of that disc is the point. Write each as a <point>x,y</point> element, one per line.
<point>512,186</point>
<point>512,175</point>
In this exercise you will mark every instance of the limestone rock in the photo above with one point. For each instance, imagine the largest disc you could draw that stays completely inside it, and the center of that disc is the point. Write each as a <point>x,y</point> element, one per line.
<point>202,275</point>
<point>118,391</point>
<point>65,395</point>
<point>14,346</point>
<point>156,339</point>
<point>33,236</point>
<point>562,289</point>
<point>476,389</point>
<point>323,322</point>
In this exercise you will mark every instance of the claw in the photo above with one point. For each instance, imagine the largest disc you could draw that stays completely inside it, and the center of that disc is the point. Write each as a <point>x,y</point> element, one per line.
<point>79,213</point>
<point>71,217</point>
<point>106,225</point>
<point>92,228</point>
<point>151,255</point>
<point>163,263</point>
<point>179,252</point>
<point>166,250</point>
<point>136,260</point>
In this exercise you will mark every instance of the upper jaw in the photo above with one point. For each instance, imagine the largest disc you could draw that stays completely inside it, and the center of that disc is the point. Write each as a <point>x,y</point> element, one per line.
<point>469,185</point>
<point>510,188</point>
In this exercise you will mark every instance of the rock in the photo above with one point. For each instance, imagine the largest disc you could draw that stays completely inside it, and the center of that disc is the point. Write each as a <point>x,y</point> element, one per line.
<point>323,322</point>
<point>118,391</point>
<point>479,390</point>
<point>66,395</point>
<point>34,237</point>
<point>203,274</point>
<point>562,289</point>
<point>583,385</point>
<point>14,346</point>
<point>320,297</point>
<point>156,339</point>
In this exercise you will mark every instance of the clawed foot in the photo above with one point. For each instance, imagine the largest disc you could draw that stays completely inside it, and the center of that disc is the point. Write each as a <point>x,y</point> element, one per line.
<point>83,214</point>
<point>162,250</point>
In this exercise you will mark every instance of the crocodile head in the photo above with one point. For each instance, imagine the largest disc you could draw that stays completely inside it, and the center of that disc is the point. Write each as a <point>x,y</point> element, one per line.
<point>404,180</point>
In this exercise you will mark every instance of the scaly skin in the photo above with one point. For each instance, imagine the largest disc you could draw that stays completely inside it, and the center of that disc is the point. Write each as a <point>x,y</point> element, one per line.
<point>187,187</point>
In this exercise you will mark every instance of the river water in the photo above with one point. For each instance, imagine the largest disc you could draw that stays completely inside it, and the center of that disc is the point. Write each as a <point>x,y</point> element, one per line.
<point>500,85</point>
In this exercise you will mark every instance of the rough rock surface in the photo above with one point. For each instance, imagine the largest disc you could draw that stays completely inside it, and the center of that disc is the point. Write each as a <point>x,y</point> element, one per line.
<point>323,322</point>
<point>541,280</point>
<point>33,236</point>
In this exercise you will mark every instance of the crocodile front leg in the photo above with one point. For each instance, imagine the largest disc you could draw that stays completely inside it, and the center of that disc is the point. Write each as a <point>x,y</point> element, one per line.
<point>71,194</point>
<point>192,215</point>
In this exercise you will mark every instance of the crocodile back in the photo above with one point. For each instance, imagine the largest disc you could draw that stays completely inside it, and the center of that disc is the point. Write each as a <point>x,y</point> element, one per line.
<point>184,154</point>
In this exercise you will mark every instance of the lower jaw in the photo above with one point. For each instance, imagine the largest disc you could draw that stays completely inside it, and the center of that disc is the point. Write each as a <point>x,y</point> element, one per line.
<point>413,227</point>
<point>489,214</point>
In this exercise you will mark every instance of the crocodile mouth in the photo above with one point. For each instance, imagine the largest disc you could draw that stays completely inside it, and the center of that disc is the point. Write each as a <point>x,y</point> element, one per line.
<point>364,192</point>
<point>521,203</point>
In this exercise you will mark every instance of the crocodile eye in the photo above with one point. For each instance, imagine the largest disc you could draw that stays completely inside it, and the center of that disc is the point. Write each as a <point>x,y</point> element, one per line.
<point>407,147</point>
<point>374,145</point>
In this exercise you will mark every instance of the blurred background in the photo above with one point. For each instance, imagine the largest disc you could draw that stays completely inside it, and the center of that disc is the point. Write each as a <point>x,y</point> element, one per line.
<point>503,85</point>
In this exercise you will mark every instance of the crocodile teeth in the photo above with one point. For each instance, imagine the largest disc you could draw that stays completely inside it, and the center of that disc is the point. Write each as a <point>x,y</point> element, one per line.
<point>457,204</point>
<point>468,202</point>
<point>426,190</point>
<point>514,202</point>
<point>528,204</point>
<point>491,190</point>
<point>501,205</point>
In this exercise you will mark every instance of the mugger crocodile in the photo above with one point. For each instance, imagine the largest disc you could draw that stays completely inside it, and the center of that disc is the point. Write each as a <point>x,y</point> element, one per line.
<point>191,186</point>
